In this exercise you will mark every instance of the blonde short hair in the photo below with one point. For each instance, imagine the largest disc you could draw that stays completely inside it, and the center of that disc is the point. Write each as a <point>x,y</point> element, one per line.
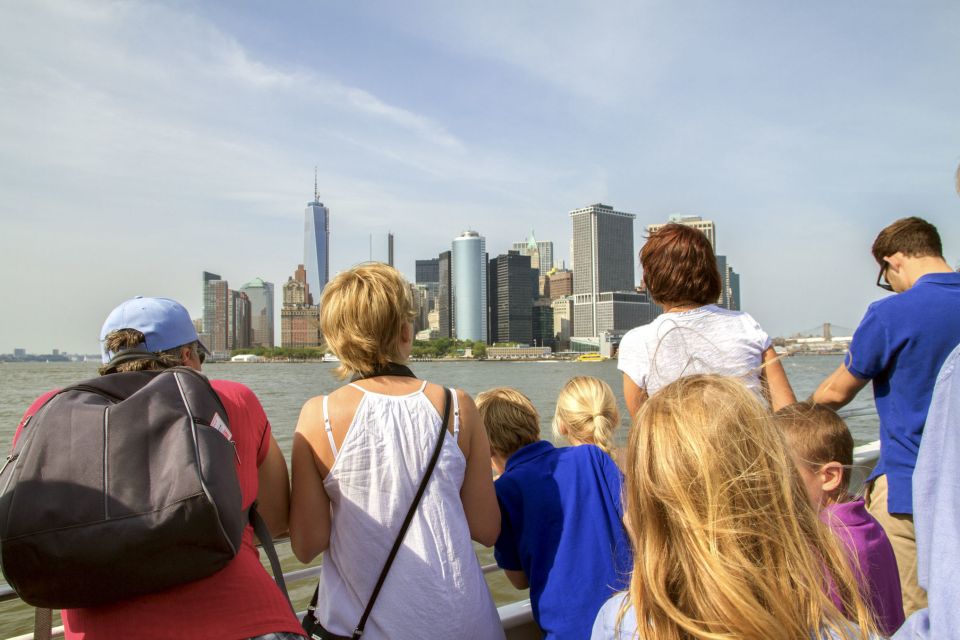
<point>587,412</point>
<point>725,542</point>
<point>510,419</point>
<point>362,311</point>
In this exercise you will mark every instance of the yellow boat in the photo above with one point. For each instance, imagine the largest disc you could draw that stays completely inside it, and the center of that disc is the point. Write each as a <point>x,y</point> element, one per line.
<point>590,357</point>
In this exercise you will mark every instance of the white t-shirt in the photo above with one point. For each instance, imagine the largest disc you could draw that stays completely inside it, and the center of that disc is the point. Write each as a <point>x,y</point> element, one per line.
<point>707,339</point>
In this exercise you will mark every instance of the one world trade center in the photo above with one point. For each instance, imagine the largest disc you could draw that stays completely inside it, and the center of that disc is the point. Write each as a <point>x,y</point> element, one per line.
<point>316,245</point>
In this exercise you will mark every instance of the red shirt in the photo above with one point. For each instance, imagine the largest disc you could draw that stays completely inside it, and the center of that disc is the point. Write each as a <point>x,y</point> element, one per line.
<point>239,601</point>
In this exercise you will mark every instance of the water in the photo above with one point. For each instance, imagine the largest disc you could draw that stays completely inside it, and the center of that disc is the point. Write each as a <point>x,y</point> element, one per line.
<point>283,387</point>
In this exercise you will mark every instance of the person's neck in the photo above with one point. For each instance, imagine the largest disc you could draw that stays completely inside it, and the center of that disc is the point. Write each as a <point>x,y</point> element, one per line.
<point>676,307</point>
<point>916,268</point>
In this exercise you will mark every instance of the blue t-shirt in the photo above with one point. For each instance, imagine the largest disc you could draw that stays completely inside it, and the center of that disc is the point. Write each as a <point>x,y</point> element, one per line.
<point>901,344</point>
<point>562,525</point>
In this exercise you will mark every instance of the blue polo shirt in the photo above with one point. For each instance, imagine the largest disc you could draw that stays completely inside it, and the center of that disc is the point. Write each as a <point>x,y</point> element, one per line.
<point>562,525</point>
<point>901,344</point>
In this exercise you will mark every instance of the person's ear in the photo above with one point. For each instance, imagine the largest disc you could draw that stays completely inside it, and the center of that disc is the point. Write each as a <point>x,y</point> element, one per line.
<point>406,330</point>
<point>186,353</point>
<point>895,261</point>
<point>831,476</point>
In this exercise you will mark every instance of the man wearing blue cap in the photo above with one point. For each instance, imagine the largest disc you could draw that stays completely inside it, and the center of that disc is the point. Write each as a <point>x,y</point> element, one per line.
<point>240,600</point>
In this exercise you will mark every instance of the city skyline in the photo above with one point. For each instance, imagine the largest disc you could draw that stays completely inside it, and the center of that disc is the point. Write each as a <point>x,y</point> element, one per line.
<point>184,137</point>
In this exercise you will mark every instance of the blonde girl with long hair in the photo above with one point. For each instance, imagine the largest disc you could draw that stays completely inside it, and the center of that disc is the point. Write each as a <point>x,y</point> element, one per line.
<point>587,413</point>
<point>726,545</point>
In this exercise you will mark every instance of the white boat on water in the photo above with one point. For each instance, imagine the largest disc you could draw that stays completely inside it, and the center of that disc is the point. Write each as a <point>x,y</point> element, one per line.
<point>329,357</point>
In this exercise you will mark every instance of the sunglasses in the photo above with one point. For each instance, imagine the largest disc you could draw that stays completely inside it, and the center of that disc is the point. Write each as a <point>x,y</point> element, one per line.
<point>882,278</point>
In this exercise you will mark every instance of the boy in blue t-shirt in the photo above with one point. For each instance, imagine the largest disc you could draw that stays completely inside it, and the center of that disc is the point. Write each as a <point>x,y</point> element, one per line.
<point>562,529</point>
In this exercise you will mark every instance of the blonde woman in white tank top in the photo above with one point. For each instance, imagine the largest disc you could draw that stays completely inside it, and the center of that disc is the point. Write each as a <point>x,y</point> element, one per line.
<point>359,455</point>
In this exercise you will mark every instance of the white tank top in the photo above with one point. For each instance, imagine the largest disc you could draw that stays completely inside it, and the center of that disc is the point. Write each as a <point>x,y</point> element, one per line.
<point>435,587</point>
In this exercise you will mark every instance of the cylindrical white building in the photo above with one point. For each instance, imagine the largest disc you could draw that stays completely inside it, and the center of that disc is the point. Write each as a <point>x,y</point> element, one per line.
<point>469,258</point>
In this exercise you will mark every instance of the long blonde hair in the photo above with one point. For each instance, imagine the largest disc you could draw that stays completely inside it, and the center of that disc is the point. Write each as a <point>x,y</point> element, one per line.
<point>725,543</point>
<point>587,412</point>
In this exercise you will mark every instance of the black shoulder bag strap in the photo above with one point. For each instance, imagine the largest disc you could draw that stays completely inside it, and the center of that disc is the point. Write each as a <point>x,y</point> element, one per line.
<point>266,542</point>
<point>403,528</point>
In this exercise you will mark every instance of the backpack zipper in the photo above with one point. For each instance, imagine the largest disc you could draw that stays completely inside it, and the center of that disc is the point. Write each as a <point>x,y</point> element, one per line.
<point>10,458</point>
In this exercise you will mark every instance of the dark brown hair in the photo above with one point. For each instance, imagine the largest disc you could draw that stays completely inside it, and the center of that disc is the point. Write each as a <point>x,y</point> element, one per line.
<point>817,435</point>
<point>913,236</point>
<point>679,266</point>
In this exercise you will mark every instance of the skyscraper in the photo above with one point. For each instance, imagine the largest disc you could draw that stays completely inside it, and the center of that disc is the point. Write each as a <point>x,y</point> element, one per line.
<point>603,260</point>
<point>238,320</point>
<point>316,243</point>
<point>428,270</point>
<point>381,248</point>
<point>512,295</point>
<point>260,294</point>
<point>215,312</point>
<point>542,251</point>
<point>445,295</point>
<point>299,320</point>
<point>469,275</point>
<point>697,222</point>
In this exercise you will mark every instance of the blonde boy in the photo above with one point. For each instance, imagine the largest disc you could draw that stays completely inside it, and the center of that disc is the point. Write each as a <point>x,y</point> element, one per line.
<point>561,529</point>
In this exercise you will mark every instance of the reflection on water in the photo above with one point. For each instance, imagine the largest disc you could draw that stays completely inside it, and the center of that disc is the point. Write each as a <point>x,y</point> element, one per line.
<point>283,387</point>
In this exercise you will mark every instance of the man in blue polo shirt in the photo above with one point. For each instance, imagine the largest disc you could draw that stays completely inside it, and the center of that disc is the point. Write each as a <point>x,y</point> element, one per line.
<point>900,345</point>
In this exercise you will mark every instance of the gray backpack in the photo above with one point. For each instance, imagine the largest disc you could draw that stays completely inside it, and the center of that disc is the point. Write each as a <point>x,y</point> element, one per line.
<point>117,487</point>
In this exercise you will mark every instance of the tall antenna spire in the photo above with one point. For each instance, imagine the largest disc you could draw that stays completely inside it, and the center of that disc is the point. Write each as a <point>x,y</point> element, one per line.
<point>316,193</point>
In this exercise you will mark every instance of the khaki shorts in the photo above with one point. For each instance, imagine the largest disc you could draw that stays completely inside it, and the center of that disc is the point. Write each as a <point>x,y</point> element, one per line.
<point>899,529</point>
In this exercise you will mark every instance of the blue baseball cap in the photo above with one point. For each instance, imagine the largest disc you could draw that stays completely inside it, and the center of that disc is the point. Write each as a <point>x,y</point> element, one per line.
<point>165,323</point>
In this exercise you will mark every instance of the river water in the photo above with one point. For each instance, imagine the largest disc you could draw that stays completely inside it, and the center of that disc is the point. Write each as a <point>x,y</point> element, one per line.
<point>283,387</point>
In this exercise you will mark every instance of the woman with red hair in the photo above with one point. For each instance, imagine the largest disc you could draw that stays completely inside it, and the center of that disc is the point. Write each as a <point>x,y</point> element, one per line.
<point>693,335</point>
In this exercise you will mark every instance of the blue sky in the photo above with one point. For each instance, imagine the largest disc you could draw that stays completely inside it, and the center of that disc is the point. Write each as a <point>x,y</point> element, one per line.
<point>141,143</point>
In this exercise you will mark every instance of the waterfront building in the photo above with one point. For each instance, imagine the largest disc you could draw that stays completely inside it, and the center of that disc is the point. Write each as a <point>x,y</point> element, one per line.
<point>542,323</point>
<point>603,262</point>
<point>215,312</point>
<point>299,318</point>
<point>260,294</point>
<point>559,284</point>
<point>381,248</point>
<point>613,311</point>
<point>428,271</point>
<point>697,222</point>
<point>733,281</point>
<point>562,322</point>
<point>511,296</point>
<point>522,352</point>
<point>316,243</point>
<point>428,277</point>
<point>541,253</point>
<point>445,295</point>
<point>419,300</point>
<point>469,278</point>
<point>238,320</point>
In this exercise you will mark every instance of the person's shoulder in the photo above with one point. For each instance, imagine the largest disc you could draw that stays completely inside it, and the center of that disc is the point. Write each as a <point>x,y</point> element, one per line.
<point>237,392</point>
<point>605,624</point>
<point>638,335</point>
